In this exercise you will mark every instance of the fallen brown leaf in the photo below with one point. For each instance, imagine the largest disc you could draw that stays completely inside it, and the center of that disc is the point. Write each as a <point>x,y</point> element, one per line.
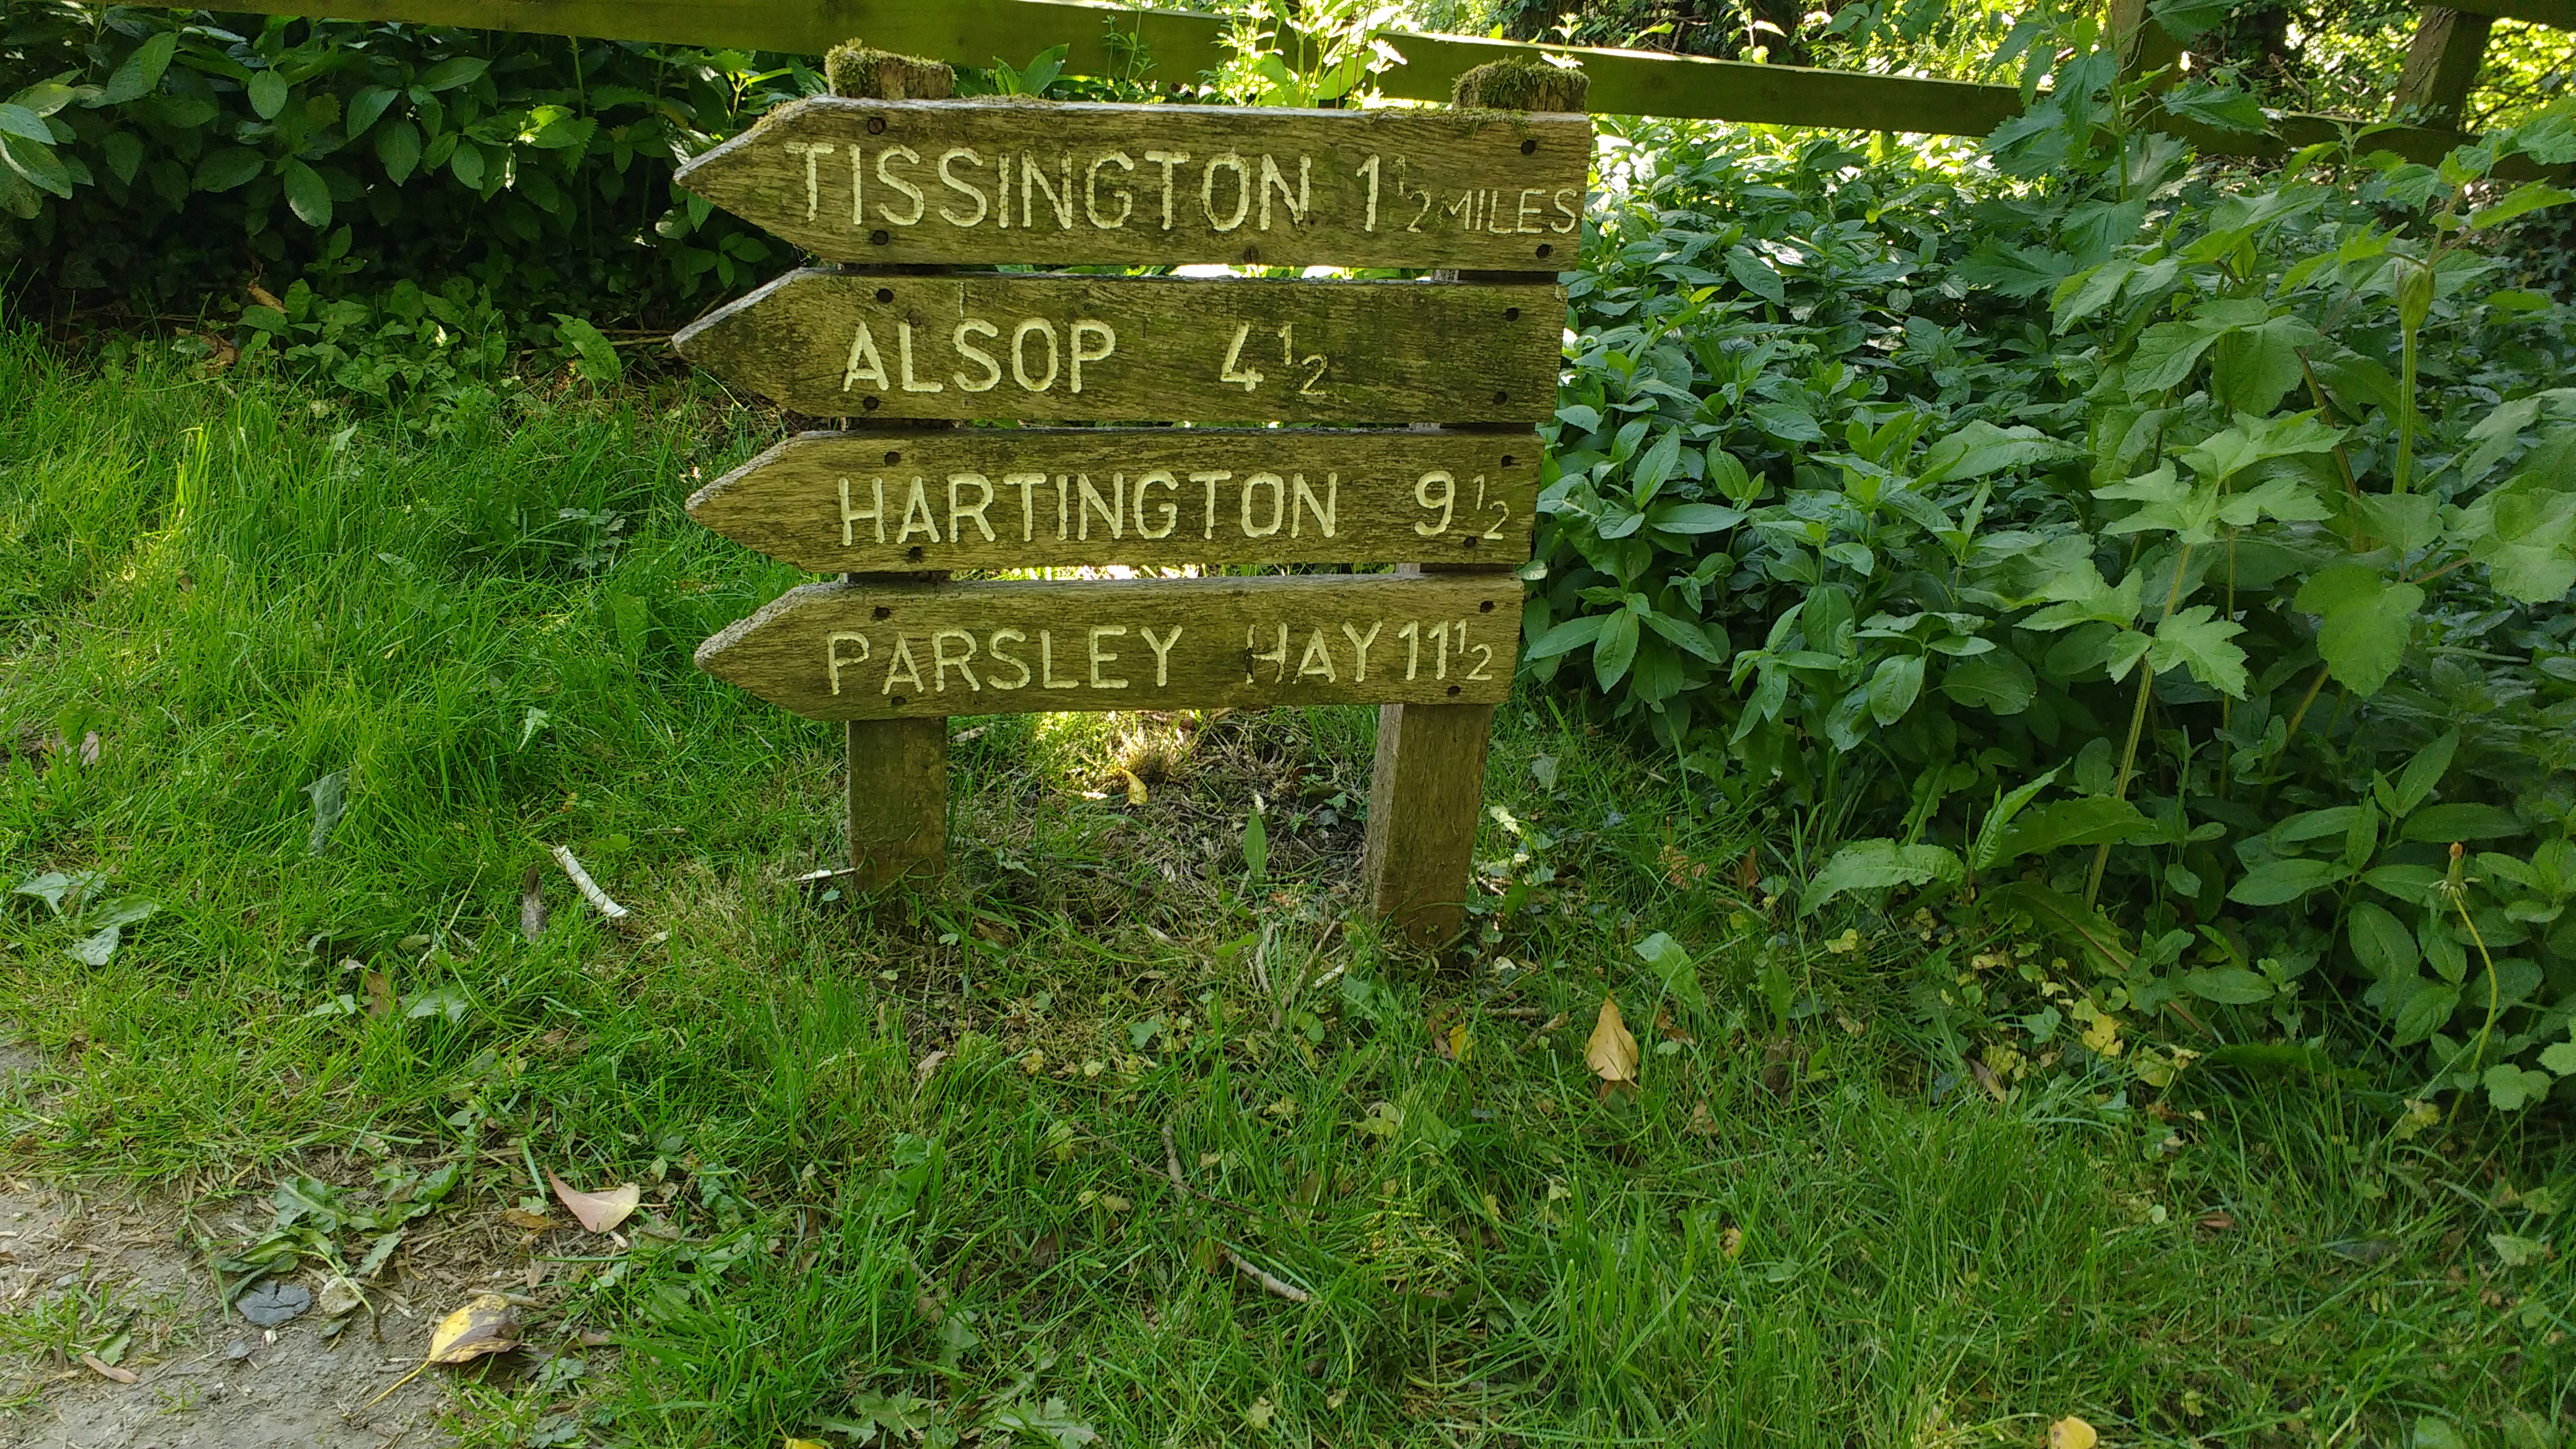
<point>486,1324</point>
<point>1666,1028</point>
<point>929,1064</point>
<point>265,297</point>
<point>89,749</point>
<point>107,1370</point>
<point>1748,871</point>
<point>1780,1066</point>
<point>1135,787</point>
<point>2218,1220</point>
<point>380,992</point>
<point>1611,1052</point>
<point>599,1212</point>
<point>527,1221</point>
<point>1986,1078</point>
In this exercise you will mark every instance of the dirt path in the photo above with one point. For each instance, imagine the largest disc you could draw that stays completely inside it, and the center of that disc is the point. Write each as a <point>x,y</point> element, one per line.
<point>75,1270</point>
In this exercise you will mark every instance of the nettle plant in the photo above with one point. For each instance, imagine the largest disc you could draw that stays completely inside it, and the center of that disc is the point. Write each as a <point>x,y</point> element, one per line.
<point>2189,583</point>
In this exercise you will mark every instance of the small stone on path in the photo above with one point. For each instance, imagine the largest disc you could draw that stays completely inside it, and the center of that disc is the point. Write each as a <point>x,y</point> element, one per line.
<point>272,1303</point>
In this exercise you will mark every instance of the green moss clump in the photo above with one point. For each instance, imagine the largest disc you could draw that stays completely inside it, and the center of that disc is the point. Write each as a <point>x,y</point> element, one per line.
<point>1522,85</point>
<point>881,75</point>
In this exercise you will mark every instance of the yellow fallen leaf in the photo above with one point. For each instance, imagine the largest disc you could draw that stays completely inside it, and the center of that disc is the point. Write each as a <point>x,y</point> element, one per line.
<point>1612,1051</point>
<point>1135,788</point>
<point>1459,1042</point>
<point>486,1324</point>
<point>523,1219</point>
<point>794,1443</point>
<point>599,1212</point>
<point>2072,1433</point>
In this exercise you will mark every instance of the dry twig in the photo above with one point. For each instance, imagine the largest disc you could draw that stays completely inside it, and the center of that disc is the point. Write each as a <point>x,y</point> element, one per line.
<point>1277,1287</point>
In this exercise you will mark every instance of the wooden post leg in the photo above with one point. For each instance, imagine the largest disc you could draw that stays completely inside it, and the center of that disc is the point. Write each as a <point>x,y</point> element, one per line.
<point>898,800</point>
<point>2442,65</point>
<point>1425,797</point>
<point>898,769</point>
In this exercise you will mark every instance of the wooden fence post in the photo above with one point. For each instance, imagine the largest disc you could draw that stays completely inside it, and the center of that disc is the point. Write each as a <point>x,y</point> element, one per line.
<point>2442,64</point>
<point>898,769</point>
<point>1427,786</point>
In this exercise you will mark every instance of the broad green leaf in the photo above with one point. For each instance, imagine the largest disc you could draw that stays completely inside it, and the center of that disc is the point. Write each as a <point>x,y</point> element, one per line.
<point>1672,966</point>
<point>1894,686</point>
<point>2085,293</point>
<point>1615,649</point>
<point>2221,108</point>
<point>2256,367</point>
<point>1781,420</point>
<point>366,106</point>
<point>1755,275</point>
<point>2525,534</point>
<point>1567,637</point>
<point>1693,518</point>
<point>453,72</point>
<point>2560,1057</point>
<point>2443,824</point>
<point>1997,682</point>
<point>1656,467</point>
<point>2365,622</point>
<point>2084,820</point>
<point>307,195</point>
<point>2529,197</point>
<point>267,94</point>
<point>139,74</point>
<point>2227,985</point>
<point>398,148</point>
<point>1878,865</point>
<point>2495,435</point>
<point>2165,356</point>
<point>1981,448</point>
<point>2278,882</point>
<point>2425,1010</point>
<point>123,151</point>
<point>17,120</point>
<point>2408,520</point>
<point>229,167</point>
<point>2412,884</point>
<point>599,361</point>
<point>2198,640</point>
<point>1686,636</point>
<point>467,163</point>
<point>2252,440</point>
<point>2081,598</point>
<point>2511,1088</point>
<point>2384,947</point>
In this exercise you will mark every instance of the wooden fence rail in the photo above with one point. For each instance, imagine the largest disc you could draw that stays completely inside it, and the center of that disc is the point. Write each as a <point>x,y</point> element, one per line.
<point>1181,44</point>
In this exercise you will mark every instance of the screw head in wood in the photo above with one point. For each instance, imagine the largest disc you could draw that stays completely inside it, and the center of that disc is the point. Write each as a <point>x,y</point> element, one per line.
<point>885,294</point>
<point>1529,148</point>
<point>1546,250</point>
<point>876,125</point>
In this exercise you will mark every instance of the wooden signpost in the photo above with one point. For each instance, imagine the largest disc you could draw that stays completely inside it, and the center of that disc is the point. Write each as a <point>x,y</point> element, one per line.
<point>903,496</point>
<point>957,182</point>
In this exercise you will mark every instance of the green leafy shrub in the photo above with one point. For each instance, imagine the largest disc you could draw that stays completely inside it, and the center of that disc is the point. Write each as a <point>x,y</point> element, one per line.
<point>2119,535</point>
<point>155,160</point>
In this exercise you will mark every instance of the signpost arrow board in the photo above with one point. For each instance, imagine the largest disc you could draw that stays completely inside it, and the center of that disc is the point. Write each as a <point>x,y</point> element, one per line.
<point>961,499</point>
<point>952,182</point>
<point>905,651</point>
<point>1059,348</point>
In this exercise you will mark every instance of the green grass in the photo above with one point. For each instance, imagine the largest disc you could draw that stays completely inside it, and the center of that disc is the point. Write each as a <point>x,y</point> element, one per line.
<point>1807,1227</point>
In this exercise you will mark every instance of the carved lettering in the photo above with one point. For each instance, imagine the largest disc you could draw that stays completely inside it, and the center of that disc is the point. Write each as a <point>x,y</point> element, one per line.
<point>1360,647</point>
<point>949,179</point>
<point>901,186</point>
<point>941,663</point>
<point>903,353</point>
<point>866,364</point>
<point>1162,651</point>
<point>813,152</point>
<point>1171,508</point>
<point>1112,509</point>
<point>984,499</point>
<point>917,507</point>
<point>1278,487</point>
<point>993,650</point>
<point>903,668</point>
<point>1034,326</point>
<point>1098,658</point>
<point>1033,179</point>
<point>834,662</point>
<point>1167,160</point>
<point>1243,189</point>
<point>849,515</point>
<point>1091,192</point>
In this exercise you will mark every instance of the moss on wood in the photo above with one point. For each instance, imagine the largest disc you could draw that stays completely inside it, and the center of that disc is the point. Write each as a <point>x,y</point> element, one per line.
<point>881,75</point>
<point>1522,85</point>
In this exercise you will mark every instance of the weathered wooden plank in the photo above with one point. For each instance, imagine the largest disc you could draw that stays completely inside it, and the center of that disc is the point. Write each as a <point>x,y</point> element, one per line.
<point>1180,44</point>
<point>1009,180</point>
<point>1001,498</point>
<point>1061,348</point>
<point>884,651</point>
